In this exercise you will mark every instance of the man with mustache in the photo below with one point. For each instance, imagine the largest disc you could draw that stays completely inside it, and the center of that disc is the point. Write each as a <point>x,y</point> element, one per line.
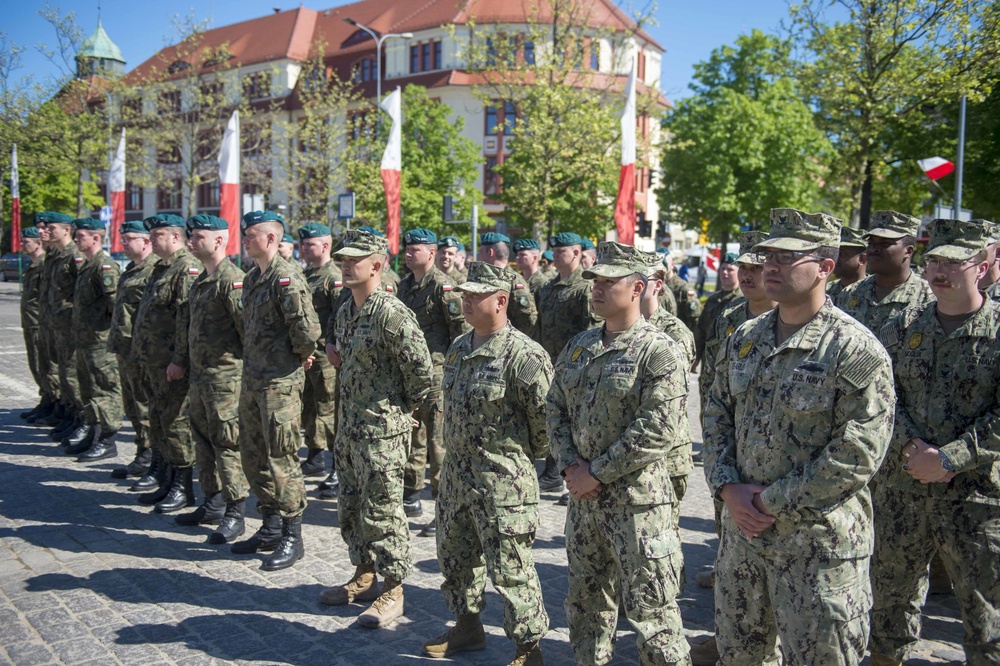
<point>991,281</point>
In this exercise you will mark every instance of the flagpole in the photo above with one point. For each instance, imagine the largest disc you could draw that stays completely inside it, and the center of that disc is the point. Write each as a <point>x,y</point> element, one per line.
<point>961,159</point>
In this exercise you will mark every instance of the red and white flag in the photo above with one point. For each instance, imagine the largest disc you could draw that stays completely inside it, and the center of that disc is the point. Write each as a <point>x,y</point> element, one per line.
<point>392,167</point>
<point>936,167</point>
<point>15,204</point>
<point>116,191</point>
<point>229,182</point>
<point>625,204</point>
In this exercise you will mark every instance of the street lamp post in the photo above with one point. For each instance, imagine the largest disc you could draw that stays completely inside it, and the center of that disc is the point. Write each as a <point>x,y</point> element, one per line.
<point>378,52</point>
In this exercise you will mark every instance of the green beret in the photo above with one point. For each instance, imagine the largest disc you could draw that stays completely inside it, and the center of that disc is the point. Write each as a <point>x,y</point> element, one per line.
<point>371,230</point>
<point>29,232</point>
<point>207,222</point>
<point>420,237</point>
<point>164,220</point>
<point>49,217</point>
<point>486,278</point>
<point>314,230</point>
<point>526,244</point>
<point>259,217</point>
<point>287,238</point>
<point>729,258</point>
<point>548,256</point>
<point>566,239</point>
<point>134,227</point>
<point>449,241</point>
<point>88,224</point>
<point>492,238</point>
<point>587,244</point>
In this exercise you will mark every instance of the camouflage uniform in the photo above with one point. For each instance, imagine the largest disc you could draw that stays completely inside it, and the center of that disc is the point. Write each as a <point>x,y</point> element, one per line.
<point>280,330</point>
<point>135,399</point>
<point>705,332</point>
<point>159,338</point>
<point>563,311</point>
<point>438,309</point>
<point>620,406</point>
<point>215,344</point>
<point>97,367</point>
<point>487,511</point>
<point>993,291</point>
<point>457,276</point>
<point>59,279</point>
<point>834,290</point>
<point>809,419</point>
<point>858,300</point>
<point>538,280</point>
<point>31,327</point>
<point>688,305</point>
<point>668,303</point>
<point>521,308</point>
<point>319,396</point>
<point>385,372</point>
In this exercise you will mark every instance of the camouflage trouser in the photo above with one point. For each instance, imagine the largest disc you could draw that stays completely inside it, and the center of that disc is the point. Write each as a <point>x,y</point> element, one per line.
<point>48,361</point>
<point>269,446</point>
<point>135,400</point>
<point>475,538</point>
<point>429,435</point>
<point>69,383</point>
<point>319,404</point>
<point>215,427</point>
<point>32,344</point>
<point>169,420</point>
<point>680,485</point>
<point>630,553</point>
<point>908,530</point>
<point>817,605</point>
<point>370,506</point>
<point>100,387</point>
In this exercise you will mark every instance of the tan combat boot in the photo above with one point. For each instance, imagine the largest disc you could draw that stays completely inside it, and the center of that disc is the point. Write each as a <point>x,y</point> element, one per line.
<point>466,636</point>
<point>705,653</point>
<point>882,660</point>
<point>528,654</point>
<point>363,586</point>
<point>386,608</point>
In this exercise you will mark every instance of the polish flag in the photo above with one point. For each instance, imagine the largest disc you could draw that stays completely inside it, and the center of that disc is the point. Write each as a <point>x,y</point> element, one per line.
<point>625,204</point>
<point>712,259</point>
<point>116,190</point>
<point>15,204</point>
<point>229,182</point>
<point>936,167</point>
<point>392,167</point>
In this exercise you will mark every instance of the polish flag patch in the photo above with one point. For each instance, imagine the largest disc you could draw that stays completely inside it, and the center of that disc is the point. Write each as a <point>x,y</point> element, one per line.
<point>389,288</point>
<point>448,287</point>
<point>284,282</point>
<point>193,271</point>
<point>105,267</point>
<point>338,284</point>
<point>237,285</point>
<point>78,260</point>
<point>518,286</point>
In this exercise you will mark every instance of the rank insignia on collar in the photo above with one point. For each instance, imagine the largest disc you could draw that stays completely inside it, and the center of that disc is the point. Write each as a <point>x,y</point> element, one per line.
<point>451,359</point>
<point>745,349</point>
<point>576,353</point>
<point>730,330</point>
<point>915,340</point>
<point>853,303</point>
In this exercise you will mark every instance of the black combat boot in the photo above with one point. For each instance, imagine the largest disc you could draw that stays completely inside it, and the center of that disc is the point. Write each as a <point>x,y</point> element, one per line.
<point>210,512</point>
<point>266,538</point>
<point>153,476</point>
<point>411,505</point>
<point>290,549</point>
<point>329,488</point>
<point>74,445</point>
<point>44,411</point>
<point>181,493</point>
<point>104,448</point>
<point>37,409</point>
<point>53,418</point>
<point>313,465</point>
<point>232,524</point>
<point>550,481</point>
<point>69,423</point>
<point>159,492</point>
<point>139,465</point>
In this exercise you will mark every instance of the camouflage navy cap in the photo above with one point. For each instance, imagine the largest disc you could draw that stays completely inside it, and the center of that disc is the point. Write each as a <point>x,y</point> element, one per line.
<point>492,238</point>
<point>358,243</point>
<point>449,241</point>
<point>615,260</point>
<point>990,229</point>
<point>797,231</point>
<point>29,232</point>
<point>50,217</point>
<point>851,237</point>
<point>420,237</point>
<point>526,244</point>
<point>955,239</point>
<point>893,225</point>
<point>260,217</point>
<point>133,227</point>
<point>88,224</point>
<point>164,220</point>
<point>548,256</point>
<point>587,244</point>
<point>749,240</point>
<point>206,222</point>
<point>566,239</point>
<point>314,230</point>
<point>486,278</point>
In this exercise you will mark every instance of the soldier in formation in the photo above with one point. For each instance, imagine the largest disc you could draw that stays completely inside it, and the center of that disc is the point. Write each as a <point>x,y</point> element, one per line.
<point>31,321</point>
<point>852,261</point>
<point>494,249</point>
<point>527,254</point>
<point>990,284</point>
<point>449,249</point>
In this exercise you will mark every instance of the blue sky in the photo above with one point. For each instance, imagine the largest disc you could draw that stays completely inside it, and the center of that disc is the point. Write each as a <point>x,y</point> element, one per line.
<point>687,30</point>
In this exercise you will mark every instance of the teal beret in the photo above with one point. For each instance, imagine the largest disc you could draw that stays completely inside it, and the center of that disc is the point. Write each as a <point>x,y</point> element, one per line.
<point>29,232</point>
<point>371,230</point>
<point>449,241</point>
<point>587,244</point>
<point>287,238</point>
<point>259,217</point>
<point>49,217</point>
<point>208,222</point>
<point>88,224</point>
<point>164,220</point>
<point>492,238</point>
<point>729,258</point>
<point>134,227</point>
<point>526,244</point>
<point>420,237</point>
<point>548,256</point>
<point>314,230</point>
<point>566,239</point>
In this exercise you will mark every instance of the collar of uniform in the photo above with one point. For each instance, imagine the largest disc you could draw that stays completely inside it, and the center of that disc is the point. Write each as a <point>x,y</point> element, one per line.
<point>574,277</point>
<point>369,306</point>
<point>276,266</point>
<point>901,294</point>
<point>491,347</point>
<point>623,341</point>
<point>175,257</point>
<point>428,277</point>
<point>983,324</point>
<point>808,336</point>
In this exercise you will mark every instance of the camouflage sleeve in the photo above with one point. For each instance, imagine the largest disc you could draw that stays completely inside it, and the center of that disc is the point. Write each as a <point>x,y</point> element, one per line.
<point>532,380</point>
<point>234,304</point>
<point>451,306</point>
<point>557,421</point>
<point>979,445</point>
<point>522,311</point>
<point>905,428</point>
<point>668,302</point>
<point>844,295</point>
<point>182,290</point>
<point>862,425</point>
<point>295,304</point>
<point>589,318</point>
<point>654,430</point>
<point>706,322</point>
<point>411,355</point>
<point>719,426</point>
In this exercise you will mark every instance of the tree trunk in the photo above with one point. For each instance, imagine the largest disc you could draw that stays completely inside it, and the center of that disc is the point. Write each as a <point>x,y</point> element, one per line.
<point>865,212</point>
<point>79,193</point>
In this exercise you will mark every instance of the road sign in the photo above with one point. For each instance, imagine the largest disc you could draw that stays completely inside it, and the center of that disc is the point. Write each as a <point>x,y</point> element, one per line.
<point>345,207</point>
<point>106,214</point>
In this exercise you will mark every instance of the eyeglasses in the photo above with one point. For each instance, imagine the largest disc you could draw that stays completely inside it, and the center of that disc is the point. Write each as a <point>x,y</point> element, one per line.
<point>786,257</point>
<point>948,265</point>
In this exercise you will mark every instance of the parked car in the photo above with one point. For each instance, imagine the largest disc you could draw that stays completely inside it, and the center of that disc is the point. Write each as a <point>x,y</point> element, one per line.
<point>9,269</point>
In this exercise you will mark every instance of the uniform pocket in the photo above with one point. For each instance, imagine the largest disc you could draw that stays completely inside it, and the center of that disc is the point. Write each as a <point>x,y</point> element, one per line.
<point>844,589</point>
<point>283,424</point>
<point>516,528</point>
<point>654,580</point>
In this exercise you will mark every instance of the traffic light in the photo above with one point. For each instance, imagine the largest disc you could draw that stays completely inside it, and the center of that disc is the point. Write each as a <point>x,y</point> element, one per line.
<point>643,226</point>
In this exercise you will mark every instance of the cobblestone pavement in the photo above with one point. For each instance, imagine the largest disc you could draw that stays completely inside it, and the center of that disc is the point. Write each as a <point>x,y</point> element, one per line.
<point>89,576</point>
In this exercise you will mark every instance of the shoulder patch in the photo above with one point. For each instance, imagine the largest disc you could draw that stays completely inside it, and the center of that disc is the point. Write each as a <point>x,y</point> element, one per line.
<point>238,284</point>
<point>105,267</point>
<point>193,271</point>
<point>745,349</point>
<point>454,308</point>
<point>395,321</point>
<point>78,260</point>
<point>662,360</point>
<point>284,282</point>
<point>447,287</point>
<point>529,370</point>
<point>338,283</point>
<point>518,286</point>
<point>860,369</point>
<point>389,288</point>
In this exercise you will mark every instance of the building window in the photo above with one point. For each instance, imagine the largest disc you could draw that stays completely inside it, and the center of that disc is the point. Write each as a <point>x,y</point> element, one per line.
<point>365,71</point>
<point>437,55</point>
<point>595,55</point>
<point>170,101</point>
<point>169,154</point>
<point>492,113</point>
<point>492,185</point>
<point>529,52</point>
<point>641,66</point>
<point>211,94</point>
<point>425,57</point>
<point>415,58</point>
<point>133,197</point>
<point>491,53</point>
<point>498,115</point>
<point>168,195</point>
<point>208,195</point>
<point>315,80</point>
<point>254,141</point>
<point>257,86</point>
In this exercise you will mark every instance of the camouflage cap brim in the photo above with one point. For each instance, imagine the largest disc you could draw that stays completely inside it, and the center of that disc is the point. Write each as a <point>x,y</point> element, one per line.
<point>750,258</point>
<point>609,271</point>
<point>885,233</point>
<point>786,243</point>
<point>480,288</point>
<point>952,252</point>
<point>353,252</point>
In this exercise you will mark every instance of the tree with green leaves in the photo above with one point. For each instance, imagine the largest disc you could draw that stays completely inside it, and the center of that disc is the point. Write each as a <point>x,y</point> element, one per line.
<point>743,144</point>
